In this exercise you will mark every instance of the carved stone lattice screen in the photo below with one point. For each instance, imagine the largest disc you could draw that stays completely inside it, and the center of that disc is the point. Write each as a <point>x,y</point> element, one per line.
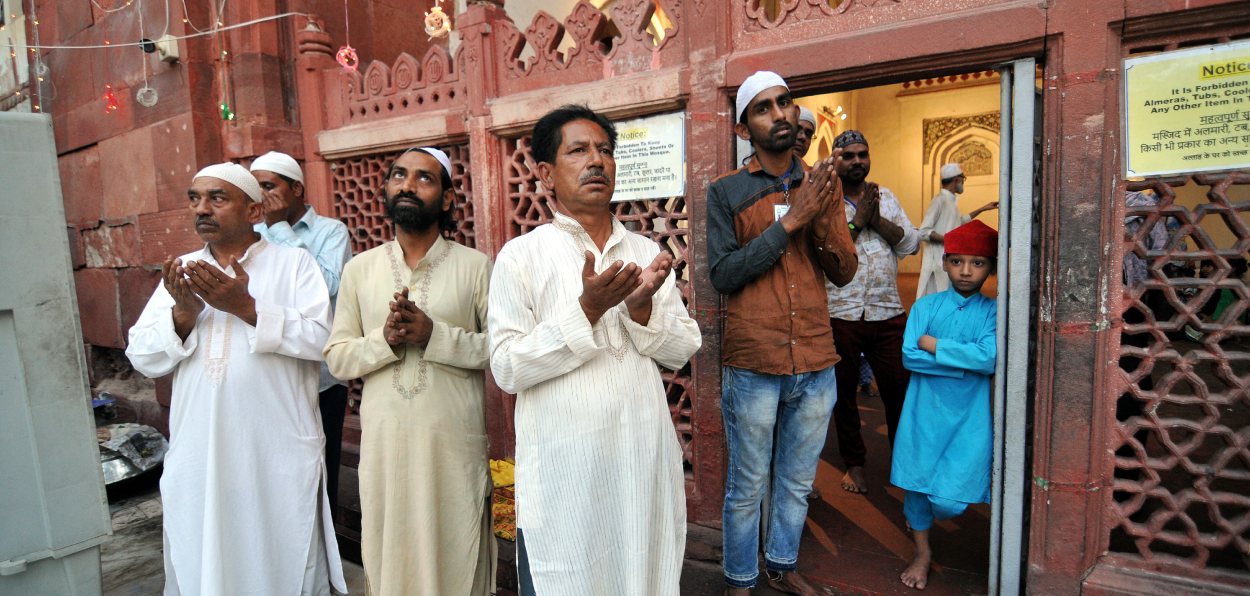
<point>667,221</point>
<point>357,185</point>
<point>1181,489</point>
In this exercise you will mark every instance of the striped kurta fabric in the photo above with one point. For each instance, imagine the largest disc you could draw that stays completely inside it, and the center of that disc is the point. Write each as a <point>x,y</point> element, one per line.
<point>599,483</point>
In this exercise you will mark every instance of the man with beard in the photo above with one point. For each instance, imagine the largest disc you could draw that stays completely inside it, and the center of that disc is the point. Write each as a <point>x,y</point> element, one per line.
<point>776,236</point>
<point>291,221</point>
<point>240,324</point>
<point>867,315</point>
<point>582,312</point>
<point>410,321</point>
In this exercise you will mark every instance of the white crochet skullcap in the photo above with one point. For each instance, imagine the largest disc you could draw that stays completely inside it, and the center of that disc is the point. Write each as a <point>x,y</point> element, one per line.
<point>279,163</point>
<point>951,170</point>
<point>436,154</point>
<point>761,80</point>
<point>234,174</point>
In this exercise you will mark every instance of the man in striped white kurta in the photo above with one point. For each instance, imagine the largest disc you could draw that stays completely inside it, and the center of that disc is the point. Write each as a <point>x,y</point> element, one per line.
<point>581,312</point>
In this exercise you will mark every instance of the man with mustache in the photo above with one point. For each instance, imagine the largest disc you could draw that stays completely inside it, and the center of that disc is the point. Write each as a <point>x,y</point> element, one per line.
<point>582,315</point>
<point>410,320</point>
<point>240,324</point>
<point>291,221</point>
<point>776,235</point>
<point>867,315</point>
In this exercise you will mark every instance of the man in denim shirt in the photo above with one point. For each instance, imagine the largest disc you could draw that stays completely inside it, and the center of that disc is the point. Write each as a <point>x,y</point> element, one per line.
<point>775,234</point>
<point>290,221</point>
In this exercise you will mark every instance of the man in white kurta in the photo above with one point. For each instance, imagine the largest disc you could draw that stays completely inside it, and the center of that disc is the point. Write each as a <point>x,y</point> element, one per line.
<point>245,508</point>
<point>943,216</point>
<point>599,481</point>
<point>424,472</point>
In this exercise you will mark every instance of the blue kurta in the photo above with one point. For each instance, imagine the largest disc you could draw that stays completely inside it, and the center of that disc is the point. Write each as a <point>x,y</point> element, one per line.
<point>945,436</point>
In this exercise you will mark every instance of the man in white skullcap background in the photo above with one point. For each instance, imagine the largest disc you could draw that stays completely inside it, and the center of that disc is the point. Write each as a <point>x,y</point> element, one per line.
<point>775,234</point>
<point>411,321</point>
<point>805,132</point>
<point>240,324</point>
<point>942,216</point>
<point>291,221</point>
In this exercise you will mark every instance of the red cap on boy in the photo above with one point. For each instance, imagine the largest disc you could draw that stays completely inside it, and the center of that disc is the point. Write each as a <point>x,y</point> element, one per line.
<point>973,238</point>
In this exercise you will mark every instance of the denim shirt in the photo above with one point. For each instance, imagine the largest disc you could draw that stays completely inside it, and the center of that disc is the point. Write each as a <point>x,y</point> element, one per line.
<point>328,241</point>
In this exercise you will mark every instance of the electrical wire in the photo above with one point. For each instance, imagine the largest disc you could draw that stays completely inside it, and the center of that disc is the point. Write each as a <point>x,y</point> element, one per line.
<point>174,38</point>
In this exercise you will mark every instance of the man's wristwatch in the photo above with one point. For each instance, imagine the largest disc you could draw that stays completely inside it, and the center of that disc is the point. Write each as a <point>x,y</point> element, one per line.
<point>852,226</point>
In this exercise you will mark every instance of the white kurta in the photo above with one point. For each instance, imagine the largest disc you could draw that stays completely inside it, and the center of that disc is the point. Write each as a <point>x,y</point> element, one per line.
<point>599,482</point>
<point>943,216</point>
<point>244,483</point>
<point>424,469</point>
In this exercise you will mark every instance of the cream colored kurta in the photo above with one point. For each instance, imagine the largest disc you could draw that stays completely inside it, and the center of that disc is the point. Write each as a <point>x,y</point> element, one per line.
<point>244,482</point>
<point>943,216</point>
<point>424,473</point>
<point>599,482</point>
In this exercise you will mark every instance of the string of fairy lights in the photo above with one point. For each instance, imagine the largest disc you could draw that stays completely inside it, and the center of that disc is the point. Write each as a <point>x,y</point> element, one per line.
<point>437,24</point>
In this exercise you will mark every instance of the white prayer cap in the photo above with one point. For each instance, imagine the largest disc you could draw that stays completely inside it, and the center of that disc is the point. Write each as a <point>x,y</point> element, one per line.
<point>436,154</point>
<point>234,174</point>
<point>761,80</point>
<point>279,163</point>
<point>806,115</point>
<point>951,170</point>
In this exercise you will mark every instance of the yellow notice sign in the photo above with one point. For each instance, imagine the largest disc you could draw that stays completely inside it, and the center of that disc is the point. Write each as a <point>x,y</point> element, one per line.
<point>1187,110</point>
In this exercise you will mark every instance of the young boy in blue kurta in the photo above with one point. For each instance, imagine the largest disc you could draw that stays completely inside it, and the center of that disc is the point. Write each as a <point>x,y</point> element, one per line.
<point>942,452</point>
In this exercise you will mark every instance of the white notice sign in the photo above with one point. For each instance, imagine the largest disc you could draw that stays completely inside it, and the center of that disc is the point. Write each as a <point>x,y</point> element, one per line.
<point>651,158</point>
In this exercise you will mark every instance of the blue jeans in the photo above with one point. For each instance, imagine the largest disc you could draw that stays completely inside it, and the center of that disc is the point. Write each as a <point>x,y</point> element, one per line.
<point>794,409</point>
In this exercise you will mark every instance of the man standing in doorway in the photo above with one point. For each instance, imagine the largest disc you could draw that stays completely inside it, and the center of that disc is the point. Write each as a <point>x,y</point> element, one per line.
<point>776,235</point>
<point>943,216</point>
<point>411,321</point>
<point>805,132</point>
<point>291,221</point>
<point>581,313</point>
<point>867,315</point>
<point>240,323</point>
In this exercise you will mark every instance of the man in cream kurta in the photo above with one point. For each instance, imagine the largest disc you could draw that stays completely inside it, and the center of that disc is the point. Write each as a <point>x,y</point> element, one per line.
<point>599,482</point>
<point>943,216</point>
<point>424,473</point>
<point>244,482</point>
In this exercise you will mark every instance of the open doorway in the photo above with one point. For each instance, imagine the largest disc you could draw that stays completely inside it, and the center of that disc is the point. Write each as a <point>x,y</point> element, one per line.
<point>860,542</point>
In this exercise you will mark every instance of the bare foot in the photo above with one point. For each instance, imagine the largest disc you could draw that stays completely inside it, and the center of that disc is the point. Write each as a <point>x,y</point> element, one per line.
<point>853,481</point>
<point>737,591</point>
<point>917,574</point>
<point>814,495</point>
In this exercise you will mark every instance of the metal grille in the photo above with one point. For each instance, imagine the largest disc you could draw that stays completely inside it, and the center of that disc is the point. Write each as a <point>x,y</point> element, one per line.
<point>666,221</point>
<point>1182,466</point>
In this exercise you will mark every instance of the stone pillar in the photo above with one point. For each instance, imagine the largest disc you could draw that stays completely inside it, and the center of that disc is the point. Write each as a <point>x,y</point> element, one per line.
<point>709,154</point>
<point>315,74</point>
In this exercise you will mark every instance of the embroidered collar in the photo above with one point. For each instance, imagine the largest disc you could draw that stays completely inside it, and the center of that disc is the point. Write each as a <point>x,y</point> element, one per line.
<point>436,253</point>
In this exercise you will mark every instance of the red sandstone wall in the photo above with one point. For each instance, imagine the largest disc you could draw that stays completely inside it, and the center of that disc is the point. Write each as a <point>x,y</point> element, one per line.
<point>124,173</point>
